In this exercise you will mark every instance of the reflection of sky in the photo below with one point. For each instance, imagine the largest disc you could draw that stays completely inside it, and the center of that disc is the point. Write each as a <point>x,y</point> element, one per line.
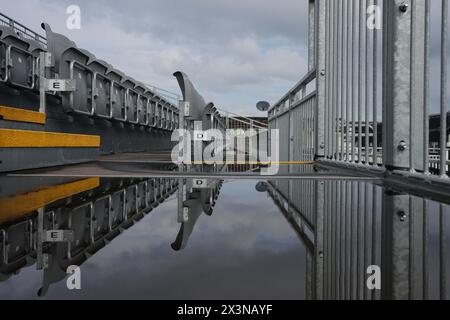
<point>245,250</point>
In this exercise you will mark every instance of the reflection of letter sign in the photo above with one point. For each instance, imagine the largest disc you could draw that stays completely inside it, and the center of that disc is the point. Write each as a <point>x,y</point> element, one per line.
<point>55,236</point>
<point>199,135</point>
<point>200,183</point>
<point>58,235</point>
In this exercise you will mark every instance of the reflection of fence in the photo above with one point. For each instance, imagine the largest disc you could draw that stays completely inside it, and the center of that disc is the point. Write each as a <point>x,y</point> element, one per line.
<point>348,226</point>
<point>369,89</point>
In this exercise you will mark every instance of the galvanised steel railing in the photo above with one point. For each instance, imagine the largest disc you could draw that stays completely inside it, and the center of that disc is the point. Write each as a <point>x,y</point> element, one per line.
<point>294,116</point>
<point>374,80</point>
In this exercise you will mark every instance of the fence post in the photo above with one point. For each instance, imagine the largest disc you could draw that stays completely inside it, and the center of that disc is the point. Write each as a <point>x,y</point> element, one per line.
<point>320,34</point>
<point>402,255</point>
<point>311,35</point>
<point>404,85</point>
<point>319,187</point>
<point>319,139</point>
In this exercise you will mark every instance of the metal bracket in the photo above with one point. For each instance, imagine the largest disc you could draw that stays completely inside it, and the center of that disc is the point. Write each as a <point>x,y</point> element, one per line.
<point>200,184</point>
<point>186,107</point>
<point>50,236</point>
<point>58,236</point>
<point>201,136</point>
<point>47,59</point>
<point>186,211</point>
<point>60,85</point>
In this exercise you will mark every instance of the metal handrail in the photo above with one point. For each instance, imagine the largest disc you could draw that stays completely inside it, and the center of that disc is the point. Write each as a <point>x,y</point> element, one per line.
<point>22,30</point>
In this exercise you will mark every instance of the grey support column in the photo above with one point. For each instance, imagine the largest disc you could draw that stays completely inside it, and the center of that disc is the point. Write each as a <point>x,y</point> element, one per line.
<point>404,86</point>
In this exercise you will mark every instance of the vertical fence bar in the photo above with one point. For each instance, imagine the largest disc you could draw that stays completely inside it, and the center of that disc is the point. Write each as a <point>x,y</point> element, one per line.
<point>374,231</point>
<point>311,35</point>
<point>330,75</point>
<point>413,85</point>
<point>341,81</point>
<point>361,27</point>
<point>366,90</point>
<point>443,252</point>
<point>320,79</point>
<point>366,241</point>
<point>348,233</point>
<point>335,78</point>
<point>327,79</point>
<point>425,259</point>
<point>383,80</point>
<point>375,88</point>
<point>349,75</point>
<point>426,94</point>
<point>354,76</point>
<point>444,82</point>
<point>353,241</point>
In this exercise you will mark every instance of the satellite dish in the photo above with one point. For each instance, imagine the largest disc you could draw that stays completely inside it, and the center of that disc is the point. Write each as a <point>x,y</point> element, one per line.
<point>263,106</point>
<point>261,186</point>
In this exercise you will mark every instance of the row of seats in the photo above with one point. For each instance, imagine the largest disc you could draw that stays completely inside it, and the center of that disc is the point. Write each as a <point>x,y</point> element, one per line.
<point>106,92</point>
<point>18,59</point>
<point>92,222</point>
<point>101,91</point>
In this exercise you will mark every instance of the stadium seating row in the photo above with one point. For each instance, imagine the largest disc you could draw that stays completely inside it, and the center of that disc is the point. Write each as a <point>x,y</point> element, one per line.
<point>101,90</point>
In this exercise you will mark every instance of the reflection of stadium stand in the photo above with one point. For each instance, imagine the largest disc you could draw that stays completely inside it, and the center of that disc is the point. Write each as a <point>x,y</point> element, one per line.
<point>90,213</point>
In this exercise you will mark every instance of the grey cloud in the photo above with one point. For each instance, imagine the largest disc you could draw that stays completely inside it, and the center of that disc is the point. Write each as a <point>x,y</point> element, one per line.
<point>238,51</point>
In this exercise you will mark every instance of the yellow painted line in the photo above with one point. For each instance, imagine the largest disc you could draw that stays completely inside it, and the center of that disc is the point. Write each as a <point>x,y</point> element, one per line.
<point>15,207</point>
<point>256,163</point>
<point>22,115</point>
<point>41,139</point>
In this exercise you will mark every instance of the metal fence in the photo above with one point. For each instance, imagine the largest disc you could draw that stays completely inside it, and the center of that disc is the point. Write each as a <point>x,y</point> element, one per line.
<point>377,71</point>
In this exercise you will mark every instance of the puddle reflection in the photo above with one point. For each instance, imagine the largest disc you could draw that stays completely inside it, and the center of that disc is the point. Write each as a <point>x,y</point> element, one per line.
<point>217,238</point>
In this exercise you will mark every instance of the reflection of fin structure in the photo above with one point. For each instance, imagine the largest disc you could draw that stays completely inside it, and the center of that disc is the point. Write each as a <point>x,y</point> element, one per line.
<point>198,201</point>
<point>195,210</point>
<point>92,219</point>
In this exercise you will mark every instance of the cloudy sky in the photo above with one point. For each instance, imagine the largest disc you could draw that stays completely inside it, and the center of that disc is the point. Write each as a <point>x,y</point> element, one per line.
<point>236,51</point>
